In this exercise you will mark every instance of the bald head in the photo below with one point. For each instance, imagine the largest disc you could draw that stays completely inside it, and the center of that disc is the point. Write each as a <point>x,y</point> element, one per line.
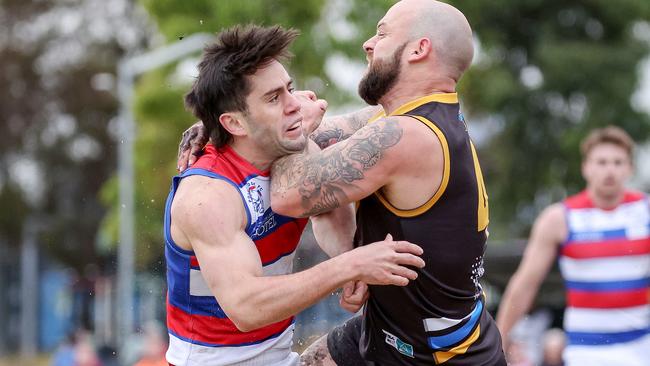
<point>445,26</point>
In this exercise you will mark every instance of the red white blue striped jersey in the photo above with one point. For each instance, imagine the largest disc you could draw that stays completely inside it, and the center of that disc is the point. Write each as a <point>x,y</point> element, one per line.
<point>605,263</point>
<point>199,330</point>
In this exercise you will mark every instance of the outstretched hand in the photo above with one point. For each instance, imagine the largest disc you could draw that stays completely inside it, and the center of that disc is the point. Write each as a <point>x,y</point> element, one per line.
<point>191,146</point>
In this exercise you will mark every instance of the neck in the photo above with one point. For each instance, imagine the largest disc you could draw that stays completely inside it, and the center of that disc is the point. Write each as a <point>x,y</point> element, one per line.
<point>253,155</point>
<point>408,89</point>
<point>605,201</point>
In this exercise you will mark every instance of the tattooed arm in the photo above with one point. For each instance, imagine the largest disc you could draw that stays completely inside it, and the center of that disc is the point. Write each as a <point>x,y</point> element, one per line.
<point>338,128</point>
<point>309,184</point>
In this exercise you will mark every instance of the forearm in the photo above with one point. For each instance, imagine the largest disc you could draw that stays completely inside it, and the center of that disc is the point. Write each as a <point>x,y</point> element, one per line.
<point>268,299</point>
<point>290,175</point>
<point>334,230</point>
<point>516,302</point>
<point>338,128</point>
<point>294,181</point>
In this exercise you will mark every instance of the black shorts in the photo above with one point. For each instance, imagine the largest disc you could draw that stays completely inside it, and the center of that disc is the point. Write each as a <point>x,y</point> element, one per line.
<point>343,344</point>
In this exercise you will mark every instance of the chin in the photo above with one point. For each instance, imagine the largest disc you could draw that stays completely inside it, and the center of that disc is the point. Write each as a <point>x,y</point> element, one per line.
<point>295,146</point>
<point>611,191</point>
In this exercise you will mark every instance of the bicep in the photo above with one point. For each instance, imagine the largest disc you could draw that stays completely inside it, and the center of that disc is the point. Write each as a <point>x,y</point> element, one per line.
<point>212,218</point>
<point>338,128</point>
<point>227,263</point>
<point>343,173</point>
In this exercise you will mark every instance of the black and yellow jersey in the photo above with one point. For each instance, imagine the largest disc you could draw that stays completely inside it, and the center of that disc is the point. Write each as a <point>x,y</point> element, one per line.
<point>440,318</point>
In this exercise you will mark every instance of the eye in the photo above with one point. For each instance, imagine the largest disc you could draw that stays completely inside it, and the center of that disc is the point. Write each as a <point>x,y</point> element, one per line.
<point>291,89</point>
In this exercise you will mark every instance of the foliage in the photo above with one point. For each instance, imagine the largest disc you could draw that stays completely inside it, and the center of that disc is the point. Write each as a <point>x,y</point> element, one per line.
<point>159,108</point>
<point>548,72</point>
<point>56,150</point>
<point>586,54</point>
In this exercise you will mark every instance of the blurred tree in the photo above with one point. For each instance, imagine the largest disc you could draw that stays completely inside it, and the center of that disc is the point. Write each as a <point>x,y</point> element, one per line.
<point>547,73</point>
<point>56,151</point>
<point>159,97</point>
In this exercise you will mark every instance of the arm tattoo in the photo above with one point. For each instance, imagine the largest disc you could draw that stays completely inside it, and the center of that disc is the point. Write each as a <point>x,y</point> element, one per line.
<point>339,128</point>
<point>320,178</point>
<point>328,137</point>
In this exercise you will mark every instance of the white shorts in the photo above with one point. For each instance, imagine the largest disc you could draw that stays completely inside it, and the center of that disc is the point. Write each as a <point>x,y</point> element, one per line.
<point>272,352</point>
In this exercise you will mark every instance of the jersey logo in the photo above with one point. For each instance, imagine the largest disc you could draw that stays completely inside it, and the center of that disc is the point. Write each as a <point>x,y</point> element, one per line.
<point>254,194</point>
<point>403,348</point>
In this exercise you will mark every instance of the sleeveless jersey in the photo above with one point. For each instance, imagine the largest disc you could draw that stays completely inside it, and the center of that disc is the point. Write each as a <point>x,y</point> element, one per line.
<point>605,263</point>
<point>440,318</point>
<point>200,332</point>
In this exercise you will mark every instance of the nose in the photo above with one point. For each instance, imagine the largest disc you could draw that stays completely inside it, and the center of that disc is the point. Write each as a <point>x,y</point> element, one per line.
<point>293,104</point>
<point>369,45</point>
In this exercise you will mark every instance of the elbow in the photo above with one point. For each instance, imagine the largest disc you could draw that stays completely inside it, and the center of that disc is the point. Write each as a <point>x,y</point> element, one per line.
<point>244,326</point>
<point>244,321</point>
<point>285,206</point>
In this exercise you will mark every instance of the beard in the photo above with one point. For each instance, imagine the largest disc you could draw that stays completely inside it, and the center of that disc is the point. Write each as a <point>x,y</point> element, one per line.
<point>380,77</point>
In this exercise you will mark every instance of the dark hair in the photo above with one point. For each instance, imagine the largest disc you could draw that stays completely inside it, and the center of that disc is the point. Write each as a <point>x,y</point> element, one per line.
<point>607,135</point>
<point>222,84</point>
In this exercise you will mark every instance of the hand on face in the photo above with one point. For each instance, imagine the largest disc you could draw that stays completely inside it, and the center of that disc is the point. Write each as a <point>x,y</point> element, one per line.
<point>312,110</point>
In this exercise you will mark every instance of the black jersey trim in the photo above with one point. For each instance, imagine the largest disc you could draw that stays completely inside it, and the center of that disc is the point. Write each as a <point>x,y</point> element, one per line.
<point>443,184</point>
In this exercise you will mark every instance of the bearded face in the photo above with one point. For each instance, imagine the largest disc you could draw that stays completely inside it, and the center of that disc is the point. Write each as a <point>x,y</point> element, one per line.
<point>380,77</point>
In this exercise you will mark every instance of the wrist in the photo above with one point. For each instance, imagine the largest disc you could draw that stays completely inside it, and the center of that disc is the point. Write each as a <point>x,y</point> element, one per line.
<point>350,269</point>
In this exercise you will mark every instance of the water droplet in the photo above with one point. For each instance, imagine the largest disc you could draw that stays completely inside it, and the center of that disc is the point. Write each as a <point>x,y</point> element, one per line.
<point>201,21</point>
<point>180,38</point>
<point>123,206</point>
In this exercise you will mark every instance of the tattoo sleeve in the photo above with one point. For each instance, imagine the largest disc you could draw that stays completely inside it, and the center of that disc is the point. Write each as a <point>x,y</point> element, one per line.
<point>338,128</point>
<point>321,180</point>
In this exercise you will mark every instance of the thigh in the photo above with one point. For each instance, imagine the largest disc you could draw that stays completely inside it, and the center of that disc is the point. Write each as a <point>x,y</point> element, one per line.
<point>343,344</point>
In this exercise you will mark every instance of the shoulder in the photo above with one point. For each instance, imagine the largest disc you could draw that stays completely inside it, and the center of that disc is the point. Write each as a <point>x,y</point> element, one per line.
<point>410,137</point>
<point>553,214</point>
<point>200,196</point>
<point>551,223</point>
<point>633,195</point>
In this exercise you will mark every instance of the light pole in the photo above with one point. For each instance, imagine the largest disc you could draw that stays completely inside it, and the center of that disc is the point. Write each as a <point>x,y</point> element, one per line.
<point>128,69</point>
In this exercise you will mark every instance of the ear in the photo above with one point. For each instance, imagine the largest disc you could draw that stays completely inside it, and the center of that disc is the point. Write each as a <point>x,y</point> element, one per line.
<point>421,50</point>
<point>233,123</point>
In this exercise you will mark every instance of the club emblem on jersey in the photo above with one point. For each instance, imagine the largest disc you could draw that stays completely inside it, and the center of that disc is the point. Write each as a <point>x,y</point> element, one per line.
<point>254,195</point>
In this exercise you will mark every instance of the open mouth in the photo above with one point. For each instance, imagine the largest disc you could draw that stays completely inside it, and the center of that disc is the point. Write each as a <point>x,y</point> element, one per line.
<point>294,126</point>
